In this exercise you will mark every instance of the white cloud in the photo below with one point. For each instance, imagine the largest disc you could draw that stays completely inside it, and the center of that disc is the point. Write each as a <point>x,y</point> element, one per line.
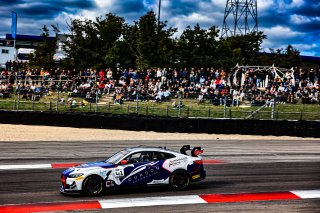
<point>306,47</point>
<point>264,5</point>
<point>196,17</point>
<point>283,5</point>
<point>148,5</point>
<point>297,3</point>
<point>103,7</point>
<point>261,4</point>
<point>280,37</point>
<point>298,19</point>
<point>104,3</point>
<point>219,3</point>
<point>182,21</point>
<point>280,32</point>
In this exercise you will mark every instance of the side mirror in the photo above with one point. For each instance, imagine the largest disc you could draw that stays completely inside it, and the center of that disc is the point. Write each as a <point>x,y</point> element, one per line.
<point>123,162</point>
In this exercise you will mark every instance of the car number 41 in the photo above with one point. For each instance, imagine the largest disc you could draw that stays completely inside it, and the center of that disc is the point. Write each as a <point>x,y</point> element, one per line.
<point>119,172</point>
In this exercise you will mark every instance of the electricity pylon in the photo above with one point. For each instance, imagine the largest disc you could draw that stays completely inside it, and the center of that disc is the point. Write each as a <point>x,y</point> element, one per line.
<point>240,18</point>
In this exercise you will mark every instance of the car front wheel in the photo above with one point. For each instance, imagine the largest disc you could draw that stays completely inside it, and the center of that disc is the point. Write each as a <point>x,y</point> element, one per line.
<point>93,186</point>
<point>179,180</point>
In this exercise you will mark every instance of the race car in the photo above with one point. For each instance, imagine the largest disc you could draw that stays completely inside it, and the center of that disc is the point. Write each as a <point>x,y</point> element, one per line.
<point>136,166</point>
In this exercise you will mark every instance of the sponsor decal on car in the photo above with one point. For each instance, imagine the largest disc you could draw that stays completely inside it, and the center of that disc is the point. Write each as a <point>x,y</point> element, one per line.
<point>177,161</point>
<point>149,171</point>
<point>80,178</point>
<point>195,176</point>
<point>119,172</point>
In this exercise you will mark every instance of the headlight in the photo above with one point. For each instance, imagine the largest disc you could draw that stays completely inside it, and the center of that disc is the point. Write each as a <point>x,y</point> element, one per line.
<point>76,175</point>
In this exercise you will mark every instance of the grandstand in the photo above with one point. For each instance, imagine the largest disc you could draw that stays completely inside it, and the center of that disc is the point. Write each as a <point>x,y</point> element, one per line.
<point>244,85</point>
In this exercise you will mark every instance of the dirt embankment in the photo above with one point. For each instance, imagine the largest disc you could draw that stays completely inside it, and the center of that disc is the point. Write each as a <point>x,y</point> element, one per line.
<point>49,133</point>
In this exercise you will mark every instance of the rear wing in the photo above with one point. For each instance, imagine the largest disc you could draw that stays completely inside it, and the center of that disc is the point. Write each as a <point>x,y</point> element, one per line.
<point>195,151</point>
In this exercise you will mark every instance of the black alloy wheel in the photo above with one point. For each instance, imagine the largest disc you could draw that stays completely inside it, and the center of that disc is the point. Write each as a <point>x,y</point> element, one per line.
<point>179,180</point>
<point>93,186</point>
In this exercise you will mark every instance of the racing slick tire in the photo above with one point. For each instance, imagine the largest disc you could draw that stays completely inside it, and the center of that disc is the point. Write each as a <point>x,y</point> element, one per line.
<point>93,186</point>
<point>179,180</point>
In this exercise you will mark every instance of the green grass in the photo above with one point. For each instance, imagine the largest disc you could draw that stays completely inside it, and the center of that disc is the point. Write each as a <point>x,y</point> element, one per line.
<point>191,108</point>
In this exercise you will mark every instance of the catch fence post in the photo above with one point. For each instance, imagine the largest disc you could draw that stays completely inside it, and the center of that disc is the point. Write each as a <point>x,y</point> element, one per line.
<point>273,110</point>
<point>225,104</point>
<point>97,97</point>
<point>18,106</point>
<point>137,100</point>
<point>33,103</point>
<point>180,103</point>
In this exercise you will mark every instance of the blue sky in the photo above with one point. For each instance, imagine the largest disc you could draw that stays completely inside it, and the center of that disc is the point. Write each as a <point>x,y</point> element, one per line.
<point>295,22</point>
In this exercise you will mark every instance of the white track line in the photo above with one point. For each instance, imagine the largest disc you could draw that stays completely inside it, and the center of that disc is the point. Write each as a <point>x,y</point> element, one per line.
<point>160,201</point>
<point>307,194</point>
<point>17,167</point>
<point>151,201</point>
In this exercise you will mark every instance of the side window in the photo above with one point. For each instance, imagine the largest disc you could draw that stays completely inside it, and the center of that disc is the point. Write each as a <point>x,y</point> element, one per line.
<point>134,158</point>
<point>146,156</point>
<point>162,156</point>
<point>5,51</point>
<point>140,157</point>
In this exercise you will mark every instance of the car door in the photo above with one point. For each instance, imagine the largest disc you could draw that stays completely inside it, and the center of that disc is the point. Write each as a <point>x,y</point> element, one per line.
<point>138,170</point>
<point>162,176</point>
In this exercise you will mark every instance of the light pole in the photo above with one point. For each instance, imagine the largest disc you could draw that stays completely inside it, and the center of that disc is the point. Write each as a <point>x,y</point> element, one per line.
<point>159,13</point>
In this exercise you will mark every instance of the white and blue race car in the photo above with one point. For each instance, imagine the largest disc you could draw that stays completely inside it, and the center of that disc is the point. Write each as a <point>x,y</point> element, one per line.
<point>136,166</point>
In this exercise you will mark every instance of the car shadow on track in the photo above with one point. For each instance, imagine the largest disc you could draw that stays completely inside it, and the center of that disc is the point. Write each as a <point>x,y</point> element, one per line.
<point>162,190</point>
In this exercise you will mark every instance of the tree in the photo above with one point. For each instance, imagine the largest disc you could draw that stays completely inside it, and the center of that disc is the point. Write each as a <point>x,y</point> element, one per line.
<point>44,53</point>
<point>286,58</point>
<point>151,46</point>
<point>81,44</point>
<point>109,43</point>
<point>198,47</point>
<point>96,43</point>
<point>242,49</point>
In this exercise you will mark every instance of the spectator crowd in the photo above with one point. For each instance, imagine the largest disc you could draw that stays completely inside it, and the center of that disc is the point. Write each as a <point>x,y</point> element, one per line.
<point>163,84</point>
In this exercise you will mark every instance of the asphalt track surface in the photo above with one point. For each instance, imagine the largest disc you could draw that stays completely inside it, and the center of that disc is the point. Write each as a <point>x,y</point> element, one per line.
<point>250,166</point>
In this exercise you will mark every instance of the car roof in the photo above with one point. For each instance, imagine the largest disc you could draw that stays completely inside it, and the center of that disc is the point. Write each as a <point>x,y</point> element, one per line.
<point>148,148</point>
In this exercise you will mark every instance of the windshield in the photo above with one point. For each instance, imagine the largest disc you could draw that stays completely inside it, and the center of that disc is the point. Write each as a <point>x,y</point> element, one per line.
<point>116,157</point>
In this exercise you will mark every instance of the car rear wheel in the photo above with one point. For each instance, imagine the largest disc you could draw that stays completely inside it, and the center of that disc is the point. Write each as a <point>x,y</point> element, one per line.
<point>179,180</point>
<point>93,186</point>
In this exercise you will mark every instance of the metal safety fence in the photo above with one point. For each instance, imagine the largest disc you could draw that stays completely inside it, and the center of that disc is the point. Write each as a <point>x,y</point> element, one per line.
<point>138,108</point>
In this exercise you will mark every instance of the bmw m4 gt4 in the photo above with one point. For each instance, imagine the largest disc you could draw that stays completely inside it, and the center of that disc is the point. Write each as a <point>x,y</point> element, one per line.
<point>136,166</point>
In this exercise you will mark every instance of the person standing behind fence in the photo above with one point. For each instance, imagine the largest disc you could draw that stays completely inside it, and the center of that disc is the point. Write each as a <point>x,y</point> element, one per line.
<point>109,74</point>
<point>163,75</point>
<point>158,74</point>
<point>8,65</point>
